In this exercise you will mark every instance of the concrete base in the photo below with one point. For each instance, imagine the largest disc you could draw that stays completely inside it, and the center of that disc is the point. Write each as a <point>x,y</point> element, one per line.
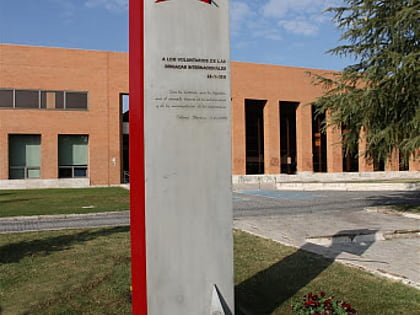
<point>331,181</point>
<point>44,183</point>
<point>310,177</point>
<point>349,186</point>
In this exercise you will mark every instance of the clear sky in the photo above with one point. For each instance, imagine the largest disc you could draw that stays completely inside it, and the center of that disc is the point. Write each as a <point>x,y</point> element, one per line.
<point>285,32</point>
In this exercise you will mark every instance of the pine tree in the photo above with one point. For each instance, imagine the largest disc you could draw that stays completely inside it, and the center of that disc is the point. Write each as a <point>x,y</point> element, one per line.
<point>380,92</point>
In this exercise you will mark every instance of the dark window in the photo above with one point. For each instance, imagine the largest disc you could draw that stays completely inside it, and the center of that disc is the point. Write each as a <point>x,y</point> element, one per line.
<point>125,112</point>
<point>378,165</point>
<point>43,99</point>
<point>254,136</point>
<point>65,172</point>
<point>59,99</point>
<point>72,156</point>
<point>350,161</point>
<point>76,100</point>
<point>350,157</point>
<point>80,171</point>
<point>319,143</point>
<point>288,144</point>
<point>26,99</point>
<point>24,156</point>
<point>6,98</point>
<point>125,106</point>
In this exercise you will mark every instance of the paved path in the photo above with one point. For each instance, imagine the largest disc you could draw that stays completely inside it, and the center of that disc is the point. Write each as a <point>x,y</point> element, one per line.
<point>275,202</point>
<point>59,222</point>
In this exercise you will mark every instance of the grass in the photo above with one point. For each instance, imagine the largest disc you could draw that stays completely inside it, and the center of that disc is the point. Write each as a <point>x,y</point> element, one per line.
<point>407,208</point>
<point>87,272</point>
<point>62,201</point>
<point>65,272</point>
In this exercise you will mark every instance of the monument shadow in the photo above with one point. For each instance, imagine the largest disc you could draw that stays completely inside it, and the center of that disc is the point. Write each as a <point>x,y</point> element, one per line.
<point>14,252</point>
<point>264,292</point>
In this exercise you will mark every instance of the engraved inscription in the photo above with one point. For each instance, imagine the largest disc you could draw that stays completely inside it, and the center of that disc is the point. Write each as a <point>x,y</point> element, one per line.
<point>215,68</point>
<point>189,104</point>
<point>195,105</point>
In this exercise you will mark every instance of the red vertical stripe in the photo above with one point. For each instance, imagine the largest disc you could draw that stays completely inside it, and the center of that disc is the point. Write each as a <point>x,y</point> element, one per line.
<point>137,169</point>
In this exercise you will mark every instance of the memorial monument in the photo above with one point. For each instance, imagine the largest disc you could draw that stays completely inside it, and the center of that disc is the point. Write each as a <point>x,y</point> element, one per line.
<point>180,159</point>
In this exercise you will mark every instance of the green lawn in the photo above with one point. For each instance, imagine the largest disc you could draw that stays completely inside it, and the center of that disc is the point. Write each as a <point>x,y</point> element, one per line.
<point>87,272</point>
<point>65,272</point>
<point>62,201</point>
<point>407,208</point>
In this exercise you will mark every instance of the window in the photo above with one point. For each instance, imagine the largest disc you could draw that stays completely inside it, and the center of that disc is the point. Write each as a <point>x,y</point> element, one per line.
<point>6,98</point>
<point>254,140</point>
<point>24,156</point>
<point>59,99</point>
<point>125,111</point>
<point>72,156</point>
<point>76,100</point>
<point>26,99</point>
<point>35,99</point>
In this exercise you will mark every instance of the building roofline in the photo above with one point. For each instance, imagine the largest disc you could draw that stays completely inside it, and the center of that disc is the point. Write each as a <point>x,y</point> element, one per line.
<point>62,48</point>
<point>126,52</point>
<point>281,66</point>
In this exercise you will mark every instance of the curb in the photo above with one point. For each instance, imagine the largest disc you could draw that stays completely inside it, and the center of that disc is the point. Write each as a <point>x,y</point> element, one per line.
<point>385,235</point>
<point>333,186</point>
<point>361,186</point>
<point>391,211</point>
<point>61,216</point>
<point>65,228</point>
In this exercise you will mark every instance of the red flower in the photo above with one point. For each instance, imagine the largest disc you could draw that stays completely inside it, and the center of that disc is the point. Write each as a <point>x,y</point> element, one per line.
<point>345,305</point>
<point>321,305</point>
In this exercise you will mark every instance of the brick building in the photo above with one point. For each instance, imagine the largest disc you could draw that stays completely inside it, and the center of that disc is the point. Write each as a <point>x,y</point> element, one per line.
<point>63,120</point>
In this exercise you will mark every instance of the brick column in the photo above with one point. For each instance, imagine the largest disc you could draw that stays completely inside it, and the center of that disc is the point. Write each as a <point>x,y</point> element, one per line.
<point>49,155</point>
<point>4,156</point>
<point>334,149</point>
<point>238,136</point>
<point>114,139</point>
<point>364,164</point>
<point>271,137</point>
<point>393,162</point>
<point>304,138</point>
<point>414,163</point>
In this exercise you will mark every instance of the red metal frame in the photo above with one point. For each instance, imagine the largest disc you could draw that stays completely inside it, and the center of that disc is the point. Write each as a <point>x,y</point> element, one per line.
<point>137,169</point>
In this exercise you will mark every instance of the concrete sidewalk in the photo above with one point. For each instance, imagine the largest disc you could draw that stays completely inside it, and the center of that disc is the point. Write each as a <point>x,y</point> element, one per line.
<point>384,244</point>
<point>64,221</point>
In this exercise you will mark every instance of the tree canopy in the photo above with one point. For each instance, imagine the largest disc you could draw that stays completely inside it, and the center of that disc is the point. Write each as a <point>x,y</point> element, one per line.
<point>380,92</point>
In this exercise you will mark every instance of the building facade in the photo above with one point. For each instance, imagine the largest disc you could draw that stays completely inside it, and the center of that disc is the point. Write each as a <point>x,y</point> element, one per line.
<point>63,119</point>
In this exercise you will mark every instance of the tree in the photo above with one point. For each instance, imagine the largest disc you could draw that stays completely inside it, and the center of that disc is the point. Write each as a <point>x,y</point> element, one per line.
<point>380,92</point>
